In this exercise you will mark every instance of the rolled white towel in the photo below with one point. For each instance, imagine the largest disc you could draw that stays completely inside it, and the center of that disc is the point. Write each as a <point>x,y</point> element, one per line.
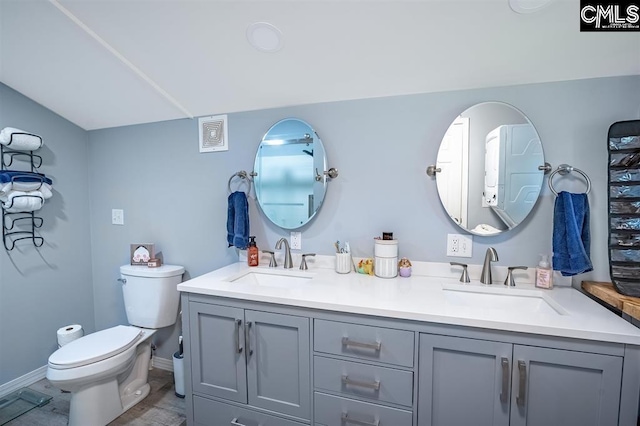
<point>20,142</point>
<point>5,188</point>
<point>20,201</point>
<point>43,189</point>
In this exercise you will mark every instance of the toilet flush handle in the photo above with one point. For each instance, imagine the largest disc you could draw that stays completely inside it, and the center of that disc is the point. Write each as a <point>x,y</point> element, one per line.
<point>122,280</point>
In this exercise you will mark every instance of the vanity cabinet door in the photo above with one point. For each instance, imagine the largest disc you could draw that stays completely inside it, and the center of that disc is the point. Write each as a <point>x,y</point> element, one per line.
<point>560,387</point>
<point>278,363</point>
<point>218,365</point>
<point>463,382</point>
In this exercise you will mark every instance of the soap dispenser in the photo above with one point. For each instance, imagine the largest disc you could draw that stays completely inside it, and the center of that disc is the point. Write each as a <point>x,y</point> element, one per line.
<point>544,273</point>
<point>253,255</point>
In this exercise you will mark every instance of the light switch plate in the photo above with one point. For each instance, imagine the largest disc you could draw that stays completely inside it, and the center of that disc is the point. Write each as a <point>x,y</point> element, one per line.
<point>459,245</point>
<point>296,240</point>
<point>117,217</point>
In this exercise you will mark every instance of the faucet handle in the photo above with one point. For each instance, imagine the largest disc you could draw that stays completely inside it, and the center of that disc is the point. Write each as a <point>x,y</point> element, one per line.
<point>303,264</point>
<point>464,278</point>
<point>272,261</point>
<point>510,281</point>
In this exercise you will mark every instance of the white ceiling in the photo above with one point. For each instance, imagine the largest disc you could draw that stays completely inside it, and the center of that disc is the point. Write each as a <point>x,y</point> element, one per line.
<point>106,63</point>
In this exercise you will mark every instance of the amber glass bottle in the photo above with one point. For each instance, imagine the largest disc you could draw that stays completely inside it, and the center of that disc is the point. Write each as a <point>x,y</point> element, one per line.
<point>253,255</point>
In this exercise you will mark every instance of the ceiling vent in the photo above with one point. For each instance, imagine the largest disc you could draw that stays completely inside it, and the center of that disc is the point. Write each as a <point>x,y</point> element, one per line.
<point>213,133</point>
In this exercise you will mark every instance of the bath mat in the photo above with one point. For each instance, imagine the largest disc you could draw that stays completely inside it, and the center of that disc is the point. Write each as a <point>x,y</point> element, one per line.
<point>19,402</point>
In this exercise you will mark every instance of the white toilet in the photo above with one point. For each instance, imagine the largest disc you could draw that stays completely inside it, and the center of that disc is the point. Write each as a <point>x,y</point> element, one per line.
<point>106,371</point>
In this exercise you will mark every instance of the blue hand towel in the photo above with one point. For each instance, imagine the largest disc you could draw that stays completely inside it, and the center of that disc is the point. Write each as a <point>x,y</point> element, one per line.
<point>571,239</point>
<point>238,220</point>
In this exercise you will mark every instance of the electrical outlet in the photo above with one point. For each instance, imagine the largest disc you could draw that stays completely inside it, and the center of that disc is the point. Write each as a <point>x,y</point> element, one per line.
<point>296,240</point>
<point>117,217</point>
<point>459,245</point>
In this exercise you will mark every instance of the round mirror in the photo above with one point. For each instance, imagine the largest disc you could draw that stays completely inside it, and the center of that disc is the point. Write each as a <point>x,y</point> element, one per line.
<point>290,183</point>
<point>489,177</point>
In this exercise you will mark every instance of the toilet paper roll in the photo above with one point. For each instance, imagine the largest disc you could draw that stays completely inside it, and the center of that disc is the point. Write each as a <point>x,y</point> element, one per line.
<point>69,333</point>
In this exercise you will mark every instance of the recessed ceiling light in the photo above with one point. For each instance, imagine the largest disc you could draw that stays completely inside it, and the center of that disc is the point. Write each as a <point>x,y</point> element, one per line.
<point>264,37</point>
<point>528,6</point>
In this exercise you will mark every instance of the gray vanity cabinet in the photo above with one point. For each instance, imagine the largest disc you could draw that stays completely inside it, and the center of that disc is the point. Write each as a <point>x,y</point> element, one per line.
<point>251,357</point>
<point>463,382</point>
<point>218,366</point>
<point>485,383</point>
<point>552,386</point>
<point>252,363</point>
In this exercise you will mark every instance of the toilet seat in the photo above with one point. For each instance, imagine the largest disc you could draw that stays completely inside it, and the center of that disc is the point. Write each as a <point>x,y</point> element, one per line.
<point>95,347</point>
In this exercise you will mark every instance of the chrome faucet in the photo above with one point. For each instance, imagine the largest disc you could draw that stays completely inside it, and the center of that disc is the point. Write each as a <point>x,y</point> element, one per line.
<point>491,256</point>
<point>288,263</point>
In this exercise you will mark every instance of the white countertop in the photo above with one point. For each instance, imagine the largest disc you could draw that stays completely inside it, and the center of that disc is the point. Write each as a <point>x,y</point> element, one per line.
<point>427,298</point>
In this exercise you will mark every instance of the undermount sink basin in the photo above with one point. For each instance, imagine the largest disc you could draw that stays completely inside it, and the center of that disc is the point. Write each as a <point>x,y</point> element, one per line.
<point>271,278</point>
<point>503,299</point>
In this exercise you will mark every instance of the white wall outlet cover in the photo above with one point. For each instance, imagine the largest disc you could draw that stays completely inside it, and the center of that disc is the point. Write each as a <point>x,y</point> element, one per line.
<point>459,245</point>
<point>213,133</point>
<point>296,240</point>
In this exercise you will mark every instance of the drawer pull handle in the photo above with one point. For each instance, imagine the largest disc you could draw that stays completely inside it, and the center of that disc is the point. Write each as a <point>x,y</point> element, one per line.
<point>522,368</point>
<point>247,337</point>
<point>238,347</point>
<point>234,422</point>
<point>375,346</point>
<point>504,394</point>
<point>369,385</point>
<point>346,419</point>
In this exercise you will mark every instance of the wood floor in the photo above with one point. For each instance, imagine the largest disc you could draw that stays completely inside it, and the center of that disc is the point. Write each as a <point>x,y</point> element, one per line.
<point>161,408</point>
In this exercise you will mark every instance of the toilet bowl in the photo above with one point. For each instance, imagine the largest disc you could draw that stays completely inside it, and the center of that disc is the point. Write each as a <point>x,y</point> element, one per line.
<point>107,371</point>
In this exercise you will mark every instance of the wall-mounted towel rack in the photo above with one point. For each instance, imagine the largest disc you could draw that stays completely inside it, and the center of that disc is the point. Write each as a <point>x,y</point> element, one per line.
<point>248,177</point>
<point>564,169</point>
<point>23,189</point>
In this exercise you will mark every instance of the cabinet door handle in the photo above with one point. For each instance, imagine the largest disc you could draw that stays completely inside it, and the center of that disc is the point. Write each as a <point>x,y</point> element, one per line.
<point>234,422</point>
<point>369,385</point>
<point>375,346</point>
<point>247,335</point>
<point>238,347</point>
<point>346,419</point>
<point>522,368</point>
<point>504,394</point>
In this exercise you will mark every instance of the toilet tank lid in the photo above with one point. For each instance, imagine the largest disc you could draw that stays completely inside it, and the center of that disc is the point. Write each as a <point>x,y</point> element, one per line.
<point>159,272</point>
<point>95,347</point>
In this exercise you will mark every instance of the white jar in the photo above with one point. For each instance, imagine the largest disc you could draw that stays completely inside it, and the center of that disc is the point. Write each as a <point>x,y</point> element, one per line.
<point>385,258</point>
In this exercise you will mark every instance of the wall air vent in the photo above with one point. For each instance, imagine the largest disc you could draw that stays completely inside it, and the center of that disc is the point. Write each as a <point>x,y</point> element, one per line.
<point>213,133</point>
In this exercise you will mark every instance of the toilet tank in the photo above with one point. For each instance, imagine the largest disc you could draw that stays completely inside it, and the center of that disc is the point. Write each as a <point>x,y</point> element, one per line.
<point>151,298</point>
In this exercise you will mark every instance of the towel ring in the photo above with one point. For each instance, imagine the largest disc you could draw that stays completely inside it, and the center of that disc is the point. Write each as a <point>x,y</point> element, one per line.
<point>564,169</point>
<point>242,175</point>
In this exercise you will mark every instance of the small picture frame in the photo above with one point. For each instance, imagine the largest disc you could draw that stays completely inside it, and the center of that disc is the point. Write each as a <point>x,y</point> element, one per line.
<point>213,133</point>
<point>141,253</point>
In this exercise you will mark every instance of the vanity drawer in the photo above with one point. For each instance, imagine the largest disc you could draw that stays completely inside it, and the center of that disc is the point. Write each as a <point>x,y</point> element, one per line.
<point>363,380</point>
<point>336,411</point>
<point>208,412</point>
<point>365,342</point>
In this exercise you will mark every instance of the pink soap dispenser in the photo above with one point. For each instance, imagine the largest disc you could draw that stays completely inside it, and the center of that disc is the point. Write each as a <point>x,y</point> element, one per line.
<point>544,273</point>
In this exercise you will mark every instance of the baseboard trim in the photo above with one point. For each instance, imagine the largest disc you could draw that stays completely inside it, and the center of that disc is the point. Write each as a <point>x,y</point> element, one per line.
<point>26,380</point>
<point>163,363</point>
